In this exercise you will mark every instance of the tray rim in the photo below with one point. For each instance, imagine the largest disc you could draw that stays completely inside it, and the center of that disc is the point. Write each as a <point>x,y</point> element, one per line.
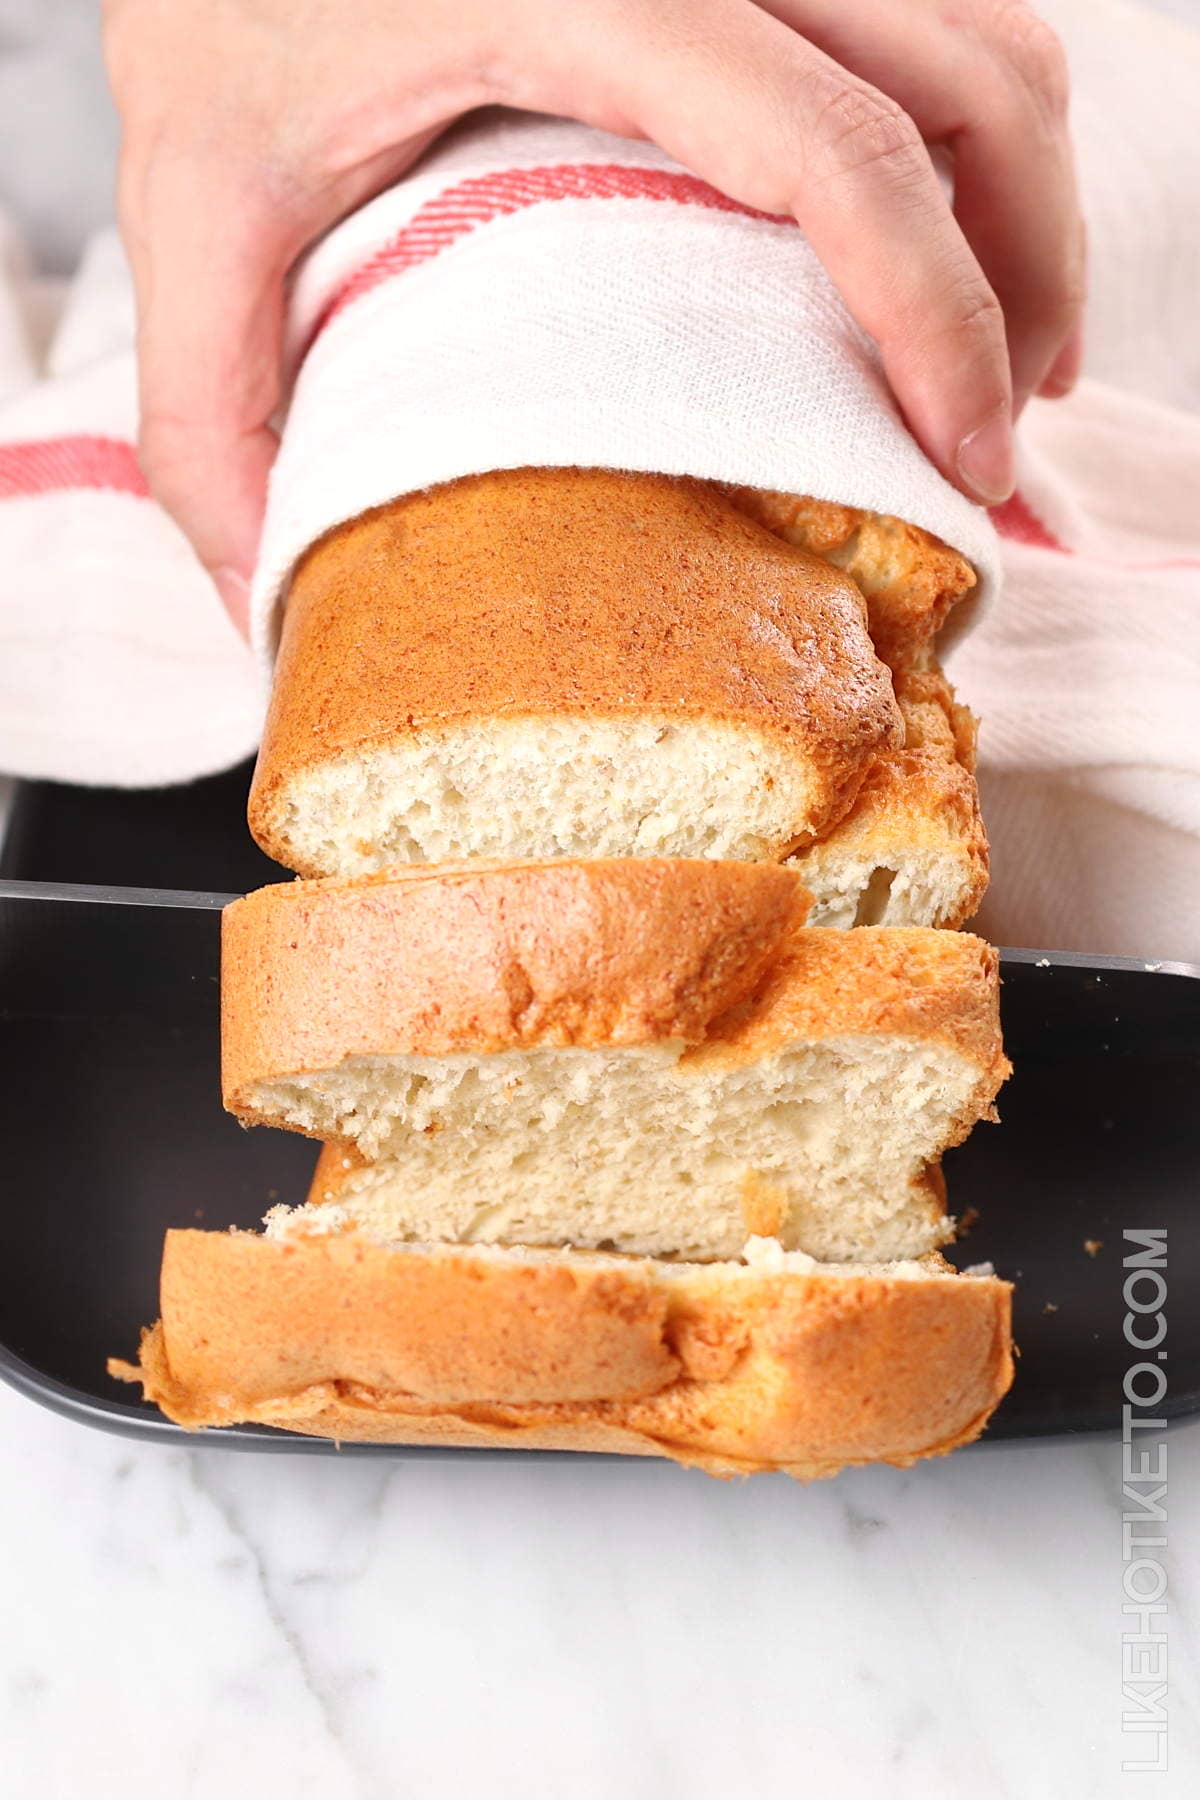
<point>87,893</point>
<point>127,1419</point>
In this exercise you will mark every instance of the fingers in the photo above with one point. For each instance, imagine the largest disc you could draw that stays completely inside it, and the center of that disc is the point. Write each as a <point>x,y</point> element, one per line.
<point>767,117</point>
<point>992,85</point>
<point>211,242</point>
<point>1016,199</point>
<point>1065,370</point>
<point>876,215</point>
<point>209,256</point>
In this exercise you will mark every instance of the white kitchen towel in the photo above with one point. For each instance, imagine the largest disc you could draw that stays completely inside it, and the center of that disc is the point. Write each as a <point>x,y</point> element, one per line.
<point>541,294</point>
<point>118,664</point>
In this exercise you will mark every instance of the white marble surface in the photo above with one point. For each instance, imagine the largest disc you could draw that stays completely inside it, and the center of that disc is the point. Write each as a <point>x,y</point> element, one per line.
<point>194,1623</point>
<point>212,1625</point>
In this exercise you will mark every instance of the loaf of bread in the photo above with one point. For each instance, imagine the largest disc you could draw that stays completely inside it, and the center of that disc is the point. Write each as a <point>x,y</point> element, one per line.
<point>570,662</point>
<point>577,766</point>
<point>772,1362</point>
<point>648,1055</point>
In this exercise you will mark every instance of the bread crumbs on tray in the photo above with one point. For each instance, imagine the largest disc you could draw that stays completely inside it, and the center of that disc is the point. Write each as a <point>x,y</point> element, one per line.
<point>1093,1246</point>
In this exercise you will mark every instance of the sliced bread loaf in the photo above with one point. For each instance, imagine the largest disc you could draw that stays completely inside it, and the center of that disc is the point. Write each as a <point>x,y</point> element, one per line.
<point>771,1363</point>
<point>646,1054</point>
<point>574,662</point>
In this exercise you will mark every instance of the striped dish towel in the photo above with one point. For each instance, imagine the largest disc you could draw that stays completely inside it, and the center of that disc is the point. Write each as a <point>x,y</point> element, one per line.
<point>538,293</point>
<point>117,663</point>
<point>533,293</point>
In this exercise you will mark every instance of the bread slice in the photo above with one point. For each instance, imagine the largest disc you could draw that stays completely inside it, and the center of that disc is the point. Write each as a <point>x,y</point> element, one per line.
<point>411,1200</point>
<point>912,849</point>
<point>910,580</point>
<point>771,1363</point>
<point>650,1055</point>
<point>573,662</point>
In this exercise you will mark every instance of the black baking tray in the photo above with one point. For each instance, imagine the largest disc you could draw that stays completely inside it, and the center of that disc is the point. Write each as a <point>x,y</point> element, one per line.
<point>112,1127</point>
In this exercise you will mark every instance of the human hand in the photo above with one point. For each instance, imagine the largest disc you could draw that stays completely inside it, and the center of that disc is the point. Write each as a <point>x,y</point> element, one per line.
<point>251,126</point>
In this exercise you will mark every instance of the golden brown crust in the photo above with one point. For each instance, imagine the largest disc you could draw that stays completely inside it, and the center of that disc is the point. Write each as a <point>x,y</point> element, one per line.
<point>732,1371</point>
<point>259,1318</point>
<point>592,955</point>
<point>910,579</point>
<point>913,982</point>
<point>909,981</point>
<point>912,802</point>
<point>334,1166</point>
<point>574,593</point>
<point>933,719</point>
<point>923,795</point>
<point>916,799</point>
<point>484,958</point>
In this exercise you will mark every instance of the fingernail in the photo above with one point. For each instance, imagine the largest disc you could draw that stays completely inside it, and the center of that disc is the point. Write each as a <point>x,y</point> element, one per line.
<point>1020,400</point>
<point>985,459</point>
<point>234,590</point>
<point>1056,387</point>
<point>1064,372</point>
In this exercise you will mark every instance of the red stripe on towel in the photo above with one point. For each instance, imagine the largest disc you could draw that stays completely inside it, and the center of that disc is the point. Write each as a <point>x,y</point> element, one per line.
<point>104,464</point>
<point>461,208</point>
<point>1017,521</point>
<point>50,465</point>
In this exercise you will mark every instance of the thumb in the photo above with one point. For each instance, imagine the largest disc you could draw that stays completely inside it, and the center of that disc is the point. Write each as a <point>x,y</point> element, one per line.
<point>209,266</point>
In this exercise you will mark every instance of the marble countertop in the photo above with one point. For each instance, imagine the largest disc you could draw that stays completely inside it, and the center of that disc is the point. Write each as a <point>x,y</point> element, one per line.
<point>209,1624</point>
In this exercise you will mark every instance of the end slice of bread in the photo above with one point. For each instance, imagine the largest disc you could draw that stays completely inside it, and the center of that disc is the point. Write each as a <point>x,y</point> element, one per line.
<point>517,1070</point>
<point>909,579</point>
<point>572,662</point>
<point>771,1363</point>
<point>564,662</point>
<point>912,849</point>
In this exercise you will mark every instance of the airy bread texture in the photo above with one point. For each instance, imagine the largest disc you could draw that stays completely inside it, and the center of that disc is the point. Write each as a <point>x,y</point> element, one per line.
<point>576,662</point>
<point>688,1187</point>
<point>650,1055</point>
<point>912,848</point>
<point>769,1364</point>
